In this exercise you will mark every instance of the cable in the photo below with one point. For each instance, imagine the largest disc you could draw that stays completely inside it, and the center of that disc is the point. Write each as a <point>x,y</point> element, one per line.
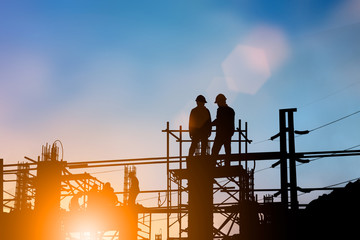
<point>260,170</point>
<point>263,169</point>
<point>106,171</point>
<point>315,159</point>
<point>333,185</point>
<point>330,94</point>
<point>314,129</point>
<point>163,219</point>
<point>337,120</point>
<point>336,184</point>
<point>262,141</point>
<point>149,198</point>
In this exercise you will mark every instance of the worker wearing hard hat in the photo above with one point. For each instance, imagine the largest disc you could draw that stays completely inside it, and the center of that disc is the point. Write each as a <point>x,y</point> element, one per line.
<point>134,188</point>
<point>225,126</point>
<point>199,126</point>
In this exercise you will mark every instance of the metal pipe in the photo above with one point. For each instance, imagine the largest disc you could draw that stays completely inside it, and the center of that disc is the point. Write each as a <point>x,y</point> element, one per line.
<point>1,187</point>
<point>168,195</point>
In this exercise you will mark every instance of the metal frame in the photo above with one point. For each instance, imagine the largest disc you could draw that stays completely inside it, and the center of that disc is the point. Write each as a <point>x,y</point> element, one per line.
<point>230,189</point>
<point>242,187</point>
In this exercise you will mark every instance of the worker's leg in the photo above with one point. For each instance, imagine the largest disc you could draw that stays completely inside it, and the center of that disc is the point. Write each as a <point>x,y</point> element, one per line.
<point>193,146</point>
<point>131,200</point>
<point>204,143</point>
<point>216,146</point>
<point>227,146</point>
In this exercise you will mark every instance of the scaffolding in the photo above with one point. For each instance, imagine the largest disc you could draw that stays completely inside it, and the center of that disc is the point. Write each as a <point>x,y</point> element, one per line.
<point>38,201</point>
<point>24,191</point>
<point>231,186</point>
<point>207,197</point>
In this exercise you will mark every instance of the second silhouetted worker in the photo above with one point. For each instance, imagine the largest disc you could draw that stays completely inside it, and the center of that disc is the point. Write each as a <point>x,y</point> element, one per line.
<point>225,126</point>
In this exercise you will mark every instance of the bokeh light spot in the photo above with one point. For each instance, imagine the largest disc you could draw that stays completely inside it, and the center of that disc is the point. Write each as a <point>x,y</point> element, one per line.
<point>246,69</point>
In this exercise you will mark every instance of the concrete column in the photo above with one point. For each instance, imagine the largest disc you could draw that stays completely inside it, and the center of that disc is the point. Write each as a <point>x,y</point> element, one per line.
<point>200,183</point>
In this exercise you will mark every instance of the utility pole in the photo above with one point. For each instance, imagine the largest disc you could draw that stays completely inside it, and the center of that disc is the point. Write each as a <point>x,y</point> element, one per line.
<point>283,160</point>
<point>287,151</point>
<point>292,162</point>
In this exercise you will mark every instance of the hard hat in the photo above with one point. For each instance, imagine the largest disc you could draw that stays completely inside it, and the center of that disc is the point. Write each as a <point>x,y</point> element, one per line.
<point>220,98</point>
<point>201,98</point>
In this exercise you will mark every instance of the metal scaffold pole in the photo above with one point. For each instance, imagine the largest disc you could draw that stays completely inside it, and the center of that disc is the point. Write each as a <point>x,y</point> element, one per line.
<point>1,193</point>
<point>168,194</point>
<point>179,215</point>
<point>1,187</point>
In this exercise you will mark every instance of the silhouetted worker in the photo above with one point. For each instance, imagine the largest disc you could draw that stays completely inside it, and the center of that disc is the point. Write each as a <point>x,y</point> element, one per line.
<point>134,188</point>
<point>74,202</point>
<point>94,209</point>
<point>225,126</point>
<point>93,200</point>
<point>108,196</point>
<point>199,126</point>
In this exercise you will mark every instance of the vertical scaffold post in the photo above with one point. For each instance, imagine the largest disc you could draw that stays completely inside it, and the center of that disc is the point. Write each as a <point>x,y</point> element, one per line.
<point>168,195</point>
<point>239,143</point>
<point>246,143</point>
<point>179,201</point>
<point>1,187</point>
<point>1,194</point>
<point>180,146</point>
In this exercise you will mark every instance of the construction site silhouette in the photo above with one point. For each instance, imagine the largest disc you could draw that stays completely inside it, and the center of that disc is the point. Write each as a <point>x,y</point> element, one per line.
<point>200,189</point>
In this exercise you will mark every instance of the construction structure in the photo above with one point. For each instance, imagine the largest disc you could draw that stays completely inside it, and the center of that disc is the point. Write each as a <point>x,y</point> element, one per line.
<point>207,197</point>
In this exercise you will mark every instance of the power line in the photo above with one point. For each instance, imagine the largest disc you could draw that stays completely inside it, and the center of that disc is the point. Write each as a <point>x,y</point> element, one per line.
<point>315,159</point>
<point>333,185</point>
<point>262,141</point>
<point>317,128</point>
<point>331,94</point>
<point>332,122</point>
<point>263,169</point>
<point>149,198</point>
<point>336,184</point>
<point>106,171</point>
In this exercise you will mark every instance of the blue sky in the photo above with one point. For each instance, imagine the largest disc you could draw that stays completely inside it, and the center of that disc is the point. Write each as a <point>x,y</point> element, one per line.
<point>104,77</point>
